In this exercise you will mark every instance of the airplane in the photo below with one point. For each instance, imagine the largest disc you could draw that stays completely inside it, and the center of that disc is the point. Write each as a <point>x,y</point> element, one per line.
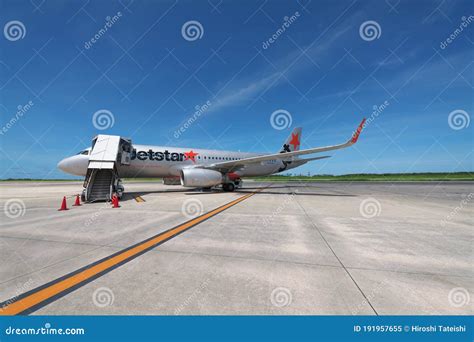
<point>190,167</point>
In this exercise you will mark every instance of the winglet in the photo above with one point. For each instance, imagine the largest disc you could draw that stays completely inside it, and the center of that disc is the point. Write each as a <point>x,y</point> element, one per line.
<point>356,134</point>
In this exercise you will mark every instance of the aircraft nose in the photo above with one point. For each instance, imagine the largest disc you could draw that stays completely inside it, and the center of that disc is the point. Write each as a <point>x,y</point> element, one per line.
<point>75,165</point>
<point>67,165</point>
<point>63,165</point>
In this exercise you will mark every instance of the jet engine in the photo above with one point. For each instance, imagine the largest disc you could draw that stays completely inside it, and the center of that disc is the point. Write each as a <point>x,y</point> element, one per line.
<point>200,178</point>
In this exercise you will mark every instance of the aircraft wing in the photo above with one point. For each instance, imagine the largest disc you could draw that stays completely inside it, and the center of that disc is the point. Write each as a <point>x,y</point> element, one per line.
<point>314,158</point>
<point>236,164</point>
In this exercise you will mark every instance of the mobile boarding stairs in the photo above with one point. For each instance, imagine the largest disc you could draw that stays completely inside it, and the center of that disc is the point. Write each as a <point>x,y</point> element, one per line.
<point>108,154</point>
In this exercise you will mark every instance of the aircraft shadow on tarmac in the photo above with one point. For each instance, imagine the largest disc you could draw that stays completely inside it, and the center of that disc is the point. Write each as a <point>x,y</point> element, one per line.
<point>300,193</point>
<point>132,195</point>
<point>129,195</point>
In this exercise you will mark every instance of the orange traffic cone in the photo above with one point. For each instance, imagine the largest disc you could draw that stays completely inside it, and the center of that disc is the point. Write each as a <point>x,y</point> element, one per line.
<point>115,202</point>
<point>63,204</point>
<point>78,202</point>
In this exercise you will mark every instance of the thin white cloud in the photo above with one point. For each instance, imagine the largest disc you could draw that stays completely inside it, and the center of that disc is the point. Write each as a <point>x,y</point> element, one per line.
<point>241,91</point>
<point>244,92</point>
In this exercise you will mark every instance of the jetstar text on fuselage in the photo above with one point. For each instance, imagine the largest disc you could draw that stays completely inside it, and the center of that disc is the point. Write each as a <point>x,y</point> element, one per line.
<point>152,155</point>
<point>165,155</point>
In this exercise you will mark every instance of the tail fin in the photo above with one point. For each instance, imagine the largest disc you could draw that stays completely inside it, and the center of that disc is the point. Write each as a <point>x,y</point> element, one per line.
<point>293,142</point>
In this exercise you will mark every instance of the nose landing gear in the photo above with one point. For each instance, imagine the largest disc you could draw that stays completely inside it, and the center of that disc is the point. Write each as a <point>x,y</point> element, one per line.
<point>119,189</point>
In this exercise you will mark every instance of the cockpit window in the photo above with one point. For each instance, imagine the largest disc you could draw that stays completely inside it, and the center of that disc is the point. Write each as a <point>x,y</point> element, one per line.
<point>85,152</point>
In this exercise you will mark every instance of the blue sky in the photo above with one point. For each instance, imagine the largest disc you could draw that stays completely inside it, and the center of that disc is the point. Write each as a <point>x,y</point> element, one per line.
<point>324,69</point>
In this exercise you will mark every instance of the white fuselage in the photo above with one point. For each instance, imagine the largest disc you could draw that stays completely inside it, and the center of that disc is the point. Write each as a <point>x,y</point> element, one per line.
<point>164,161</point>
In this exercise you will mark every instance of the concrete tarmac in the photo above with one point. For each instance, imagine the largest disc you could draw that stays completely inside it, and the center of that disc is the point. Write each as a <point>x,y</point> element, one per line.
<point>293,248</point>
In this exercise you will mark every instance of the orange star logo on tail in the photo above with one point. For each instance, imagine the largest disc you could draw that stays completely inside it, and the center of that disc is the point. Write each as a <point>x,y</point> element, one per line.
<point>190,156</point>
<point>295,141</point>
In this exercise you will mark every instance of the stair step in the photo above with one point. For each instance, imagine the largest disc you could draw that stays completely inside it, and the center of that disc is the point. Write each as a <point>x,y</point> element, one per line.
<point>100,187</point>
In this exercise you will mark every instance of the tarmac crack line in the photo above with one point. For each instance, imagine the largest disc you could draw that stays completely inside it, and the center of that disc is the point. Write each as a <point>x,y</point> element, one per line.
<point>335,255</point>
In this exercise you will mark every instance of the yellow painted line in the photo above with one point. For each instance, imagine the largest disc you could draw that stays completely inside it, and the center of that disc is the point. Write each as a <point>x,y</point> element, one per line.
<point>139,199</point>
<point>45,294</point>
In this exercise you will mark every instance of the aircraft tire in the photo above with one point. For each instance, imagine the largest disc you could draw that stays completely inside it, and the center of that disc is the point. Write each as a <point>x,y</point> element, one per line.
<point>229,187</point>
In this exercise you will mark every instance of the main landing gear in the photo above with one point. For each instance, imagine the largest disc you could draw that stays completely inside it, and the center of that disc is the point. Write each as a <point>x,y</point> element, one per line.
<point>229,187</point>
<point>232,185</point>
